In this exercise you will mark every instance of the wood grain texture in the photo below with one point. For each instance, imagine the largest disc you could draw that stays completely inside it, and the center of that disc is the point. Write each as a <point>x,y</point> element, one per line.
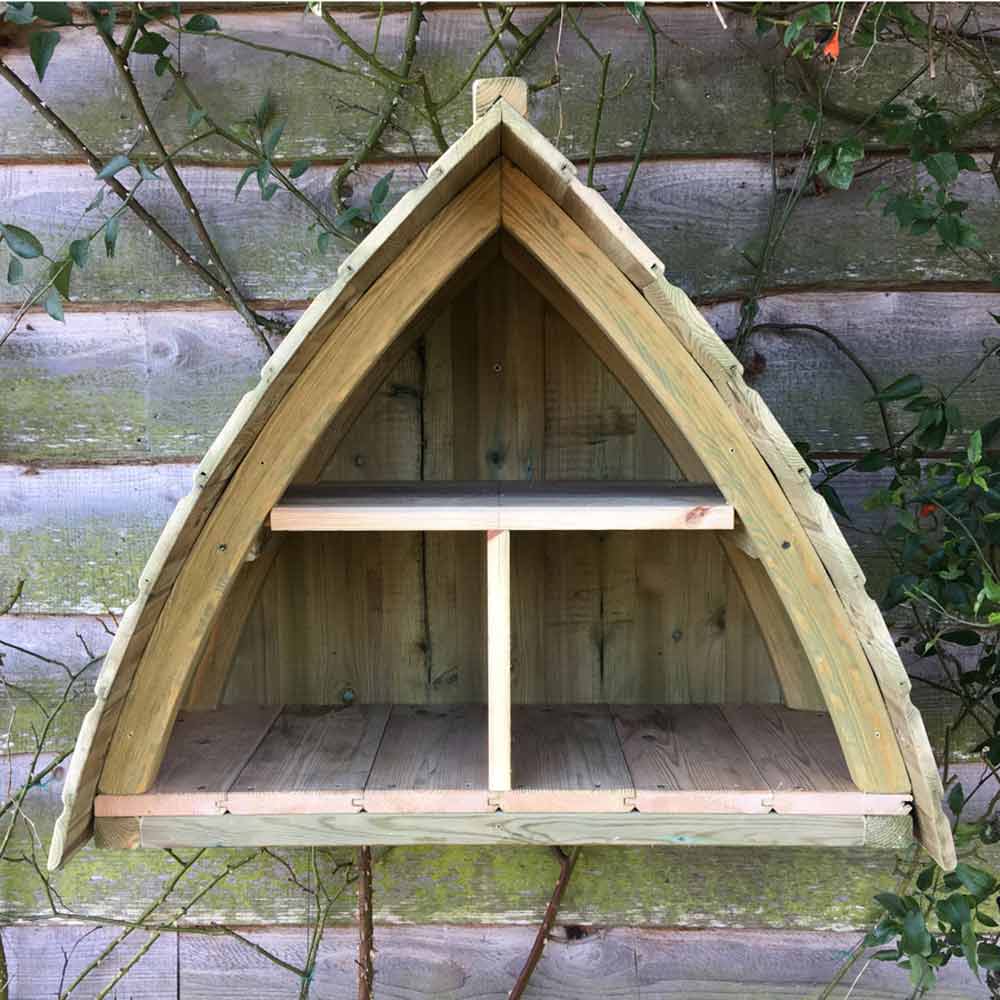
<point>486,91</point>
<point>566,758</point>
<point>710,208</point>
<point>498,659</point>
<point>860,716</point>
<point>119,385</point>
<point>433,759</point>
<point>475,506</point>
<point>475,963</point>
<point>724,113</point>
<point>351,829</point>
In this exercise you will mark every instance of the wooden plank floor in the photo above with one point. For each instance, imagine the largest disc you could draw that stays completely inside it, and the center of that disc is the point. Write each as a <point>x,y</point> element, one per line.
<point>432,759</point>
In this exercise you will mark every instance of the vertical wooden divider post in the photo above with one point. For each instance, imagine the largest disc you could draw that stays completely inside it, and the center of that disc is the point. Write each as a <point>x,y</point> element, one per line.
<point>498,657</point>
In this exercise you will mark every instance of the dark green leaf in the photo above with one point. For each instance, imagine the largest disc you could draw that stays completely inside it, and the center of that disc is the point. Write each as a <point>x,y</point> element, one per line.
<point>978,882</point>
<point>161,65</point>
<point>954,909</point>
<point>347,217</point>
<point>116,163</point>
<point>244,177</point>
<point>956,798</point>
<point>202,22</point>
<point>21,242</point>
<point>145,173</point>
<point>893,904</point>
<point>61,272</point>
<point>273,138</point>
<point>323,241</point>
<point>850,150</point>
<point>79,250</point>
<point>902,388</point>
<point>966,162</point>
<point>15,271</point>
<point>54,13</point>
<point>298,168</point>
<point>19,13</point>
<point>381,190</point>
<point>830,495</point>
<point>943,167</point>
<point>840,174</point>
<point>915,939</point>
<point>150,44</point>
<point>989,956</point>
<point>104,17</point>
<point>962,637</point>
<point>53,305</point>
<point>42,45</point>
<point>269,191</point>
<point>926,877</point>
<point>872,462</point>
<point>111,235</point>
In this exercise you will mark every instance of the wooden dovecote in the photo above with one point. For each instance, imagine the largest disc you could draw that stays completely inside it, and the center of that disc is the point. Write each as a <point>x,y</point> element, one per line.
<point>505,644</point>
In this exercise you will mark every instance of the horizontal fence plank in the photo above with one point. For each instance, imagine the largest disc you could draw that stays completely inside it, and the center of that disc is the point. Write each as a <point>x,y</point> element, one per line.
<point>129,386</point>
<point>699,216</point>
<point>713,96</point>
<point>470,963</point>
<point>801,888</point>
<point>79,537</point>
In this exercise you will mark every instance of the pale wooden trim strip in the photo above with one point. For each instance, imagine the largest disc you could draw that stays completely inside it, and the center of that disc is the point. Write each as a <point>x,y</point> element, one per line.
<point>498,658</point>
<point>767,830</point>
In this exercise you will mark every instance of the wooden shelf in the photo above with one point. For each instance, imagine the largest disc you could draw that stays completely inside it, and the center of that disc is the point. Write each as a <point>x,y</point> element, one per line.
<point>427,761</point>
<point>492,506</point>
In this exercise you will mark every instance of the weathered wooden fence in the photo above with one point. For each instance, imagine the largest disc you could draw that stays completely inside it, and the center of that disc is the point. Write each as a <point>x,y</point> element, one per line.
<point>102,419</point>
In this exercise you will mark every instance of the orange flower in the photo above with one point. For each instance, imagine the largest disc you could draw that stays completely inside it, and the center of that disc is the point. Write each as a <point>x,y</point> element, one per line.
<point>927,509</point>
<point>831,47</point>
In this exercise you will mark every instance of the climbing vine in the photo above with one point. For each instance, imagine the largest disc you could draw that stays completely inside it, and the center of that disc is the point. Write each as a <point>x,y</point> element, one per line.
<point>940,502</point>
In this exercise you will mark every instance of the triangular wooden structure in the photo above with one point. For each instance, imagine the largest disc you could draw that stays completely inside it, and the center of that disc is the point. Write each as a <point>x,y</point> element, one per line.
<point>502,192</point>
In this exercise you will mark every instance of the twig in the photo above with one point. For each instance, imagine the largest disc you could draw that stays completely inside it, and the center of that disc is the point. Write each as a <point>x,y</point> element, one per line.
<point>648,124</point>
<point>567,862</point>
<point>123,193</point>
<point>119,55</point>
<point>718,14</point>
<point>366,936</point>
<point>385,113</point>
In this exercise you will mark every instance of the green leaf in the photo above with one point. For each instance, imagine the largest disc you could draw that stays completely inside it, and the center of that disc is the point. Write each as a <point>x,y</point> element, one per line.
<point>269,191</point>
<point>273,138</point>
<point>145,173</point>
<point>347,217</point>
<point>19,13</point>
<point>962,637</point>
<point>53,305</point>
<point>54,13</point>
<point>42,45</point>
<point>195,116</point>
<point>104,17</point>
<point>893,904</point>
<point>323,241</point>
<point>966,162</point>
<point>202,22</point>
<point>978,882</point>
<point>244,177</point>
<point>943,167</point>
<point>61,272</point>
<point>989,956</point>
<point>15,271</point>
<point>850,150</point>
<point>150,44</point>
<point>975,450</point>
<point>381,190</point>
<point>79,250</point>
<point>111,234</point>
<point>298,168</point>
<point>634,7</point>
<point>915,939</point>
<point>21,242</point>
<point>840,174</point>
<point>902,388</point>
<point>161,65</point>
<point>874,461</point>
<point>954,909</point>
<point>830,495</point>
<point>116,163</point>
<point>956,798</point>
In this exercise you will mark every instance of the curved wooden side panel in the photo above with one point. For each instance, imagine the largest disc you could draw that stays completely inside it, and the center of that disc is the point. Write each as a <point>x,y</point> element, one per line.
<point>273,459</point>
<point>643,356</point>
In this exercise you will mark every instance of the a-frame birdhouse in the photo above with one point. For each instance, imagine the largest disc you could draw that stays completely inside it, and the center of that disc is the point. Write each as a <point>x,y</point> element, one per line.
<point>502,549</point>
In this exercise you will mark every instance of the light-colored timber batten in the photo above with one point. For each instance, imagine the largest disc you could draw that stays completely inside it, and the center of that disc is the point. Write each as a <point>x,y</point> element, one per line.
<point>483,637</point>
